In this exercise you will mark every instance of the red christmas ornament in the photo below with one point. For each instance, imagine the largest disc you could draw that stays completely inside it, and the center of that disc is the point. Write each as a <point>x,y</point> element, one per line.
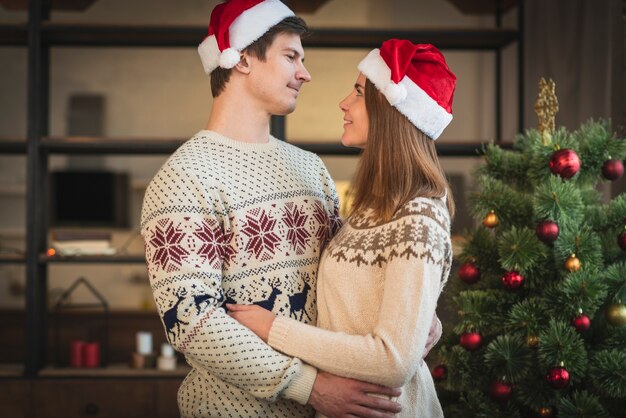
<point>565,163</point>
<point>500,391</point>
<point>547,231</point>
<point>581,322</point>
<point>471,341</point>
<point>558,377</point>
<point>621,240</point>
<point>512,280</point>
<point>439,373</point>
<point>612,169</point>
<point>469,273</point>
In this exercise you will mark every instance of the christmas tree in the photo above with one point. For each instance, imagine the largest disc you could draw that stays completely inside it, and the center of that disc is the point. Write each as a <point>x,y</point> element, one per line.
<point>541,285</point>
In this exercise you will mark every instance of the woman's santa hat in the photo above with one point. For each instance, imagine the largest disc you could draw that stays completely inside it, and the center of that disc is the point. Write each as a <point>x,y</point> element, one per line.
<point>234,25</point>
<point>416,80</point>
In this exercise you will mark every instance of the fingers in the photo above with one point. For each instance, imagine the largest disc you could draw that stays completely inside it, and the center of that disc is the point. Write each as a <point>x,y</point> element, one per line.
<point>385,406</point>
<point>379,390</point>
<point>361,411</point>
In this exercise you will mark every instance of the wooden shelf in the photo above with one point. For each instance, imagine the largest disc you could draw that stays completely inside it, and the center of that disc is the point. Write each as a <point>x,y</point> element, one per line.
<point>11,370</point>
<point>109,35</point>
<point>11,146</point>
<point>13,35</point>
<point>84,145</point>
<point>56,145</point>
<point>93,259</point>
<point>484,7</point>
<point>114,370</point>
<point>12,258</point>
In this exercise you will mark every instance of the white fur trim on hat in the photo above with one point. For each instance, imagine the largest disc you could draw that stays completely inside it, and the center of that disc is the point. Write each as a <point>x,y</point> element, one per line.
<point>254,22</point>
<point>421,109</point>
<point>209,54</point>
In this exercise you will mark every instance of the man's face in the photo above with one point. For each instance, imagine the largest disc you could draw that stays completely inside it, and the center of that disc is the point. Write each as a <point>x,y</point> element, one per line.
<point>276,82</point>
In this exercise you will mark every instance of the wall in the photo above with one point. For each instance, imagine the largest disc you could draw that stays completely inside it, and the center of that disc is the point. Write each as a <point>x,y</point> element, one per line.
<point>161,92</point>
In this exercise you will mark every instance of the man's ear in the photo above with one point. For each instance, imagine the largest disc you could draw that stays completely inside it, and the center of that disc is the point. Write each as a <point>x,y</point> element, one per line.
<point>243,66</point>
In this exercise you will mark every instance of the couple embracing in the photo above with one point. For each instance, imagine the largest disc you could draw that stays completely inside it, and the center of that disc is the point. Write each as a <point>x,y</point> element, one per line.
<point>281,308</point>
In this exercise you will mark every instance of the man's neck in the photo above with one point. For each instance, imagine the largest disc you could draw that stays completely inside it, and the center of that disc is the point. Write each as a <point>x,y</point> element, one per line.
<point>239,119</point>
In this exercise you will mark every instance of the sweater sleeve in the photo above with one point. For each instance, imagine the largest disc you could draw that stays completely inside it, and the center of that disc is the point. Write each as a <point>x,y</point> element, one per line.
<point>187,243</point>
<point>332,202</point>
<point>391,354</point>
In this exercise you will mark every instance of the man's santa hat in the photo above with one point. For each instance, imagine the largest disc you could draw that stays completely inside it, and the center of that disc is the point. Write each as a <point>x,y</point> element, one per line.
<point>416,80</point>
<point>234,25</point>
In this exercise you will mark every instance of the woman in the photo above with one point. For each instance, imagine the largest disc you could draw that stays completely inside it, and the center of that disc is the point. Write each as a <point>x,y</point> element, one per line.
<point>381,275</point>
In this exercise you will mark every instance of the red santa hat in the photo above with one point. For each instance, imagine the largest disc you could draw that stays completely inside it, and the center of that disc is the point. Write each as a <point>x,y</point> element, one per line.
<point>416,80</point>
<point>234,25</point>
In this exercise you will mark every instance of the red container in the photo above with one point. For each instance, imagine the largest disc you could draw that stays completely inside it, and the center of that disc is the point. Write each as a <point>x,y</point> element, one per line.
<point>91,355</point>
<point>76,353</point>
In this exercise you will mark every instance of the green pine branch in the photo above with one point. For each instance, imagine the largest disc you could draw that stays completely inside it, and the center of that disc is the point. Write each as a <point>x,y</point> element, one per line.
<point>560,344</point>
<point>509,358</point>
<point>558,200</point>
<point>581,405</point>
<point>608,373</point>
<point>519,249</point>
<point>511,206</point>
<point>584,290</point>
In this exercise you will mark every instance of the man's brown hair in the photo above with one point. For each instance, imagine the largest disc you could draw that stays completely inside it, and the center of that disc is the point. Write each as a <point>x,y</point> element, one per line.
<point>292,25</point>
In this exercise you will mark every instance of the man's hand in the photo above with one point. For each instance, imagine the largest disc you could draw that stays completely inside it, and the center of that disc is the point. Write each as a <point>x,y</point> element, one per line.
<point>257,319</point>
<point>338,397</point>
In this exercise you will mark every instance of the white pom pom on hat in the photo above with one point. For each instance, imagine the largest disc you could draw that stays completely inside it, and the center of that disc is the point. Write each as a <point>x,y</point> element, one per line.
<point>234,25</point>
<point>395,93</point>
<point>229,58</point>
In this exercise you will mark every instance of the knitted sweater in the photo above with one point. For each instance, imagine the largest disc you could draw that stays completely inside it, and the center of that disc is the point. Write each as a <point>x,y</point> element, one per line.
<point>378,285</point>
<point>227,221</point>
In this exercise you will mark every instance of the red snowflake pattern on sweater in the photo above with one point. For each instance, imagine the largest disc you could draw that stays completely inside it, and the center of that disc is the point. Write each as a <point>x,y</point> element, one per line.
<point>297,233</point>
<point>259,228</point>
<point>216,248</point>
<point>321,216</point>
<point>168,250</point>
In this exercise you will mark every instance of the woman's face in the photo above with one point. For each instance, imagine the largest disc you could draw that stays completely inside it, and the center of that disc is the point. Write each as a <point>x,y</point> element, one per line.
<point>355,120</point>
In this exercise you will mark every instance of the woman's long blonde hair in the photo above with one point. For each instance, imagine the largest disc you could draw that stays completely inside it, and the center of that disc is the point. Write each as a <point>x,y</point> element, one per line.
<point>399,162</point>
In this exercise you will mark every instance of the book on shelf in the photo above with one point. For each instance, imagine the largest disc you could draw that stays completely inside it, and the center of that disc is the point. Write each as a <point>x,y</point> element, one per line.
<point>82,243</point>
<point>80,235</point>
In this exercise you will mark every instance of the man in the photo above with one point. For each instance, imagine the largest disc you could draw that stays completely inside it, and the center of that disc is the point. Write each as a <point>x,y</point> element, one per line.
<point>235,215</point>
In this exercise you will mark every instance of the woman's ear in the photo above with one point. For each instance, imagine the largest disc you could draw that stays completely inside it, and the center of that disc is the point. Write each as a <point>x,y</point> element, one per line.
<point>243,66</point>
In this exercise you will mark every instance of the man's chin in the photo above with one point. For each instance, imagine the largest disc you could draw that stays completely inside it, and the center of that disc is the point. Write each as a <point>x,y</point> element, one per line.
<point>284,110</point>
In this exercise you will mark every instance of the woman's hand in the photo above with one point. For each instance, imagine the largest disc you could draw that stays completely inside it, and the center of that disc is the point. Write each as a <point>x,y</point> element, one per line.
<point>259,320</point>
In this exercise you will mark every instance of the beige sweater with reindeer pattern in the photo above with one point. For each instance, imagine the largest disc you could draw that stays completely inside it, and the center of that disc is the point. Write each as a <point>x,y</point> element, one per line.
<point>377,291</point>
<point>226,221</point>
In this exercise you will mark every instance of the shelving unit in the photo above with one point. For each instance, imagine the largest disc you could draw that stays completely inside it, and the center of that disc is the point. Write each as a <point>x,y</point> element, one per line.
<point>40,35</point>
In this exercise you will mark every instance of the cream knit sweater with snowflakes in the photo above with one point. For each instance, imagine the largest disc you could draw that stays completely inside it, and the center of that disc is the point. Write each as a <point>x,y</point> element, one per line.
<point>227,221</point>
<point>377,291</point>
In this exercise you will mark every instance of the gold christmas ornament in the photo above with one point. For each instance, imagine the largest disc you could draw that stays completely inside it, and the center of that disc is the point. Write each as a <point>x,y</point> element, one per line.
<point>491,220</point>
<point>546,108</point>
<point>615,314</point>
<point>545,412</point>
<point>573,264</point>
<point>532,341</point>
